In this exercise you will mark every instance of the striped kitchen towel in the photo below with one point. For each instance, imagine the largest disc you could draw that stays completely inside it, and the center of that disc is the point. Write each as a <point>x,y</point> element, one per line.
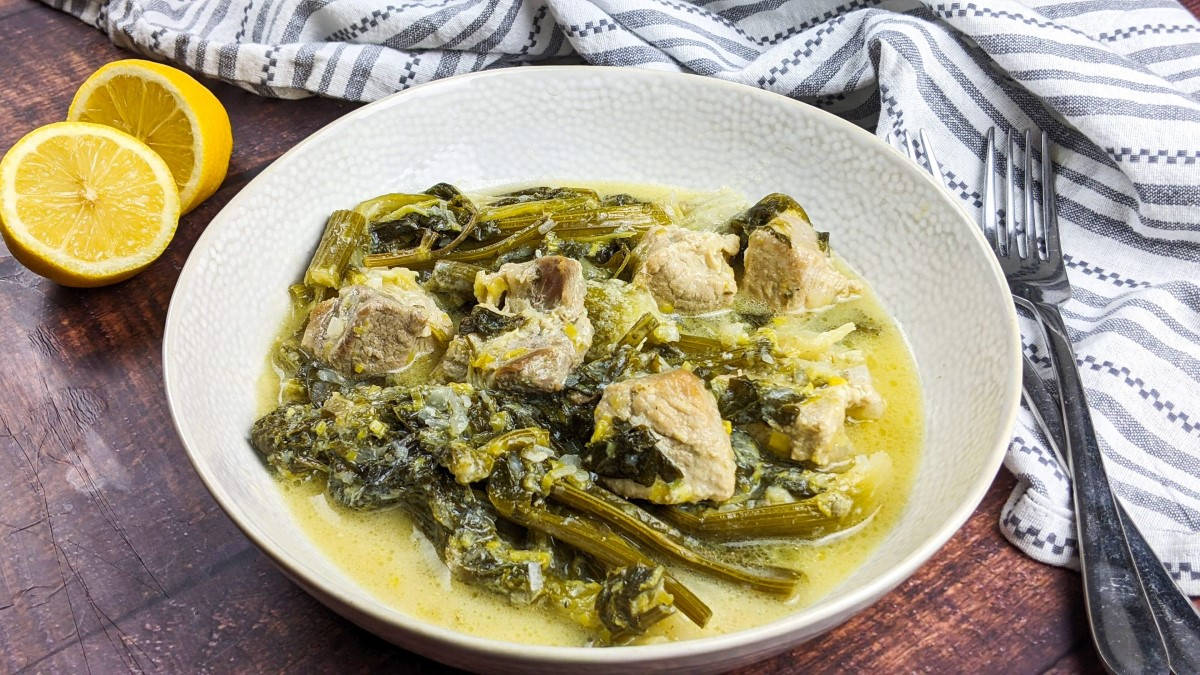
<point>1115,82</point>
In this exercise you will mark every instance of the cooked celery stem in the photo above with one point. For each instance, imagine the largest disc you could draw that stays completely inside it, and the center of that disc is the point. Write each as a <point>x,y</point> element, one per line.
<point>690,344</point>
<point>650,618</point>
<point>532,232</point>
<point>373,209</point>
<point>457,271</point>
<point>597,503</point>
<point>467,229</point>
<point>454,279</point>
<point>303,298</point>
<point>519,438</point>
<point>425,251</point>
<point>343,232</point>
<point>625,258</point>
<point>709,348</point>
<point>697,343</point>
<point>420,256</point>
<point>603,232</point>
<point>409,257</point>
<point>516,216</point>
<point>606,546</point>
<point>807,519</point>
<point>638,217</point>
<point>640,330</point>
<point>301,295</point>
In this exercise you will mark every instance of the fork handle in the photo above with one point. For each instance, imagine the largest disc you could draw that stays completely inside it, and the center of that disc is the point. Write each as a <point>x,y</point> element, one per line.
<point>1123,625</point>
<point>1177,617</point>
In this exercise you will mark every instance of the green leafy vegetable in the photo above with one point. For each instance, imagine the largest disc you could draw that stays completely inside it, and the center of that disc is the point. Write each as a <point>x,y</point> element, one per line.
<point>391,470</point>
<point>633,599</point>
<point>423,255</point>
<point>767,214</point>
<point>631,452</point>
<point>745,401</point>
<point>544,194</point>
<point>413,229</point>
<point>764,214</point>
<point>486,322</point>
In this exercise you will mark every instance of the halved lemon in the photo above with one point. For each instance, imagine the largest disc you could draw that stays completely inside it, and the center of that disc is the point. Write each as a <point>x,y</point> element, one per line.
<point>171,112</point>
<point>86,204</point>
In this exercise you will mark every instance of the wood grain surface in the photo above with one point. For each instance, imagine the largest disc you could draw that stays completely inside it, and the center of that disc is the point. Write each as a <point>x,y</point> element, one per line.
<point>114,558</point>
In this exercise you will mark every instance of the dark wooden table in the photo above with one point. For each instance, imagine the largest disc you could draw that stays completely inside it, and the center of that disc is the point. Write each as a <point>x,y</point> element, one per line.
<point>113,557</point>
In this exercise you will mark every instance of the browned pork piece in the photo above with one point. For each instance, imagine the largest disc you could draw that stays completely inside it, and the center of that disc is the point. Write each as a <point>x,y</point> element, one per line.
<point>538,354</point>
<point>366,331</point>
<point>687,270</point>
<point>660,437</point>
<point>803,415</point>
<point>817,433</point>
<point>530,329</point>
<point>455,365</point>
<point>548,284</point>
<point>865,403</point>
<point>787,265</point>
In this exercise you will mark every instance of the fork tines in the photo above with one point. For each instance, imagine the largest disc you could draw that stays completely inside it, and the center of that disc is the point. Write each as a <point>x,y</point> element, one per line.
<point>1034,233</point>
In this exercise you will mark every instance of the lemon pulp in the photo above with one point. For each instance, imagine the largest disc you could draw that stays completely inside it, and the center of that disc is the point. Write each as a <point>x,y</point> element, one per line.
<point>84,204</point>
<point>171,112</point>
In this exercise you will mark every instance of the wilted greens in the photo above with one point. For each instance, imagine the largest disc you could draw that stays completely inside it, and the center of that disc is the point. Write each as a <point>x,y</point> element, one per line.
<point>571,440</point>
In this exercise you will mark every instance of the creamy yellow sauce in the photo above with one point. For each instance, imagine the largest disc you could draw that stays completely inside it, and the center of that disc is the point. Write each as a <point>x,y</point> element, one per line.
<point>381,552</point>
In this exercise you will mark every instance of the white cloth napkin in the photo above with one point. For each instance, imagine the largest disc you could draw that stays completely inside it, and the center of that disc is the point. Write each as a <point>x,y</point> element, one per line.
<point>1115,82</point>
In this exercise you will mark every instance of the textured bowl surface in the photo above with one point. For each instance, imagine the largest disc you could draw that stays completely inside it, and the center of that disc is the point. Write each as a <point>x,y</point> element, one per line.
<point>917,248</point>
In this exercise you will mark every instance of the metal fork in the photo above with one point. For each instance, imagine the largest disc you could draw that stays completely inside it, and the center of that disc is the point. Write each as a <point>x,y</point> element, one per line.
<point>1139,620</point>
<point>1170,632</point>
<point>1032,387</point>
<point>1176,618</point>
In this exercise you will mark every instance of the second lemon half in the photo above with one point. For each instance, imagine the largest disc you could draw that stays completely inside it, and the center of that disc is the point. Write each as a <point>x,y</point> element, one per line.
<point>171,112</point>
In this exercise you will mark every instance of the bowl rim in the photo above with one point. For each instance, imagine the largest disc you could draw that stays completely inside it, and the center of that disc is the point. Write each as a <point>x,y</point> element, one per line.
<point>853,600</point>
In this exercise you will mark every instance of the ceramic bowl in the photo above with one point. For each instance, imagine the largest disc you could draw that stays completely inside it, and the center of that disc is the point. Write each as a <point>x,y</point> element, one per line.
<point>905,234</point>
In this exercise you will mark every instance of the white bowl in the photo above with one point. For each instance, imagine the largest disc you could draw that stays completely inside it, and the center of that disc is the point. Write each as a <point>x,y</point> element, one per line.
<point>911,241</point>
